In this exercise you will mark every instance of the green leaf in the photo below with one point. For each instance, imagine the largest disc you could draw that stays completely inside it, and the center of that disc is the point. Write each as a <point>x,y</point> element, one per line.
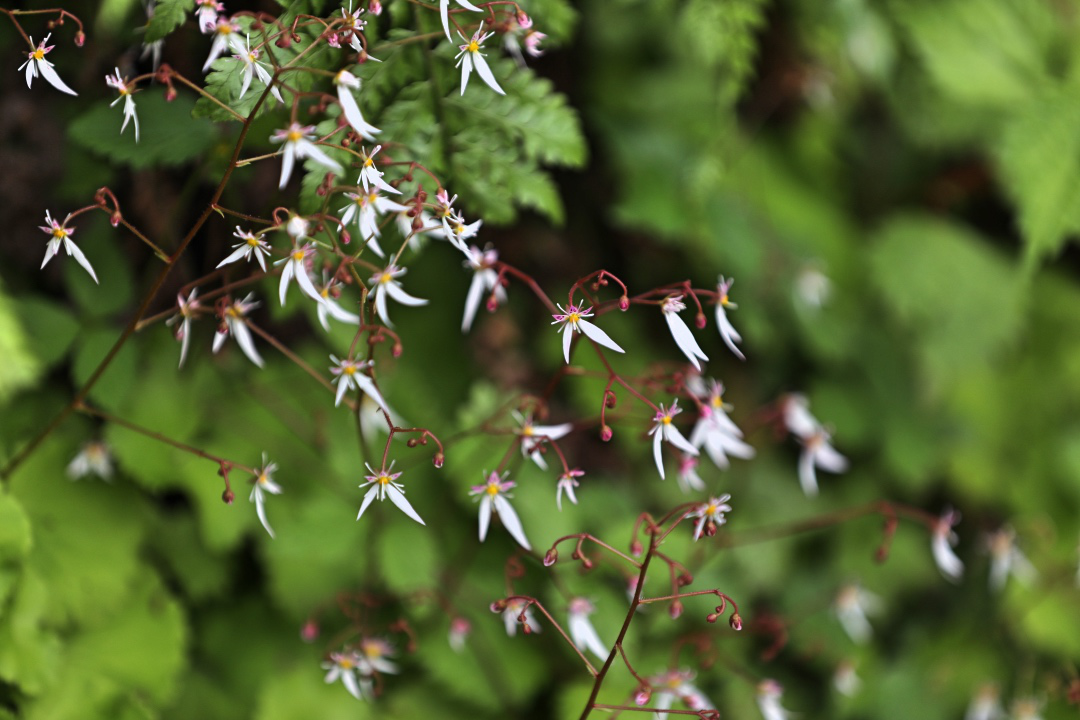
<point>1039,161</point>
<point>295,692</point>
<point>168,15</point>
<point>28,651</point>
<point>401,538</point>
<point>21,367</point>
<point>15,537</point>
<point>50,327</point>
<point>169,135</point>
<point>723,36</point>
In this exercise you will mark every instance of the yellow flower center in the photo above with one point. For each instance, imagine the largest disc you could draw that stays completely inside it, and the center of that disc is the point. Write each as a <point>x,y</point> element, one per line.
<point>252,241</point>
<point>666,420</point>
<point>298,255</point>
<point>383,480</point>
<point>492,490</point>
<point>372,197</point>
<point>527,431</point>
<point>474,46</point>
<point>710,509</point>
<point>325,292</point>
<point>263,478</point>
<point>724,299</point>
<point>573,318</point>
<point>717,401</point>
<point>350,370</point>
<point>59,233</point>
<point>224,29</point>
<point>231,311</point>
<point>38,54</point>
<point>385,278</point>
<point>294,136</point>
<point>368,162</point>
<point>345,663</point>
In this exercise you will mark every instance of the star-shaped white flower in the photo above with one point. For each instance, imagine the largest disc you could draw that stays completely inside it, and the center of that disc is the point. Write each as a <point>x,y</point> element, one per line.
<point>942,540</point>
<point>366,207</point>
<point>383,485</point>
<point>533,436</point>
<point>470,57</point>
<point>184,315</point>
<point>117,83</point>
<point>385,283</point>
<point>516,612</point>
<point>852,606</point>
<point>485,281</point>
<point>344,666</point>
<point>710,515</point>
<point>444,13</point>
<point>226,33</point>
<point>582,631</point>
<point>986,704</point>
<point>1007,559</point>
<point>676,685</point>
<point>250,245</point>
<point>263,484</point>
<point>769,693</point>
<point>233,317</point>
<point>493,498</point>
<point>61,236</point>
<point>346,83</point>
<point>37,64</point>
<point>252,68</point>
<point>351,376</point>
<point>328,291</point>
<point>370,176</point>
<point>818,453</point>
<point>671,307</point>
<point>298,144</point>
<point>715,431</point>
<point>457,231</point>
<point>727,330</point>
<point>296,266</point>
<point>663,429</point>
<point>688,478</point>
<point>568,483</point>
<point>93,458</point>
<point>573,320</point>
<point>206,14</point>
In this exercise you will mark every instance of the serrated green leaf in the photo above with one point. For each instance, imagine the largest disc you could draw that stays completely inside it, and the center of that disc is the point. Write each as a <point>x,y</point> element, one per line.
<point>168,133</point>
<point>168,15</point>
<point>28,651</point>
<point>15,536</point>
<point>723,36</point>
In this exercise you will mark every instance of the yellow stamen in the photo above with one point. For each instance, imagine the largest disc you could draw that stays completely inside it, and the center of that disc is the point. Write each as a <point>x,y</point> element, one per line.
<point>573,318</point>
<point>298,255</point>
<point>666,420</point>
<point>253,241</point>
<point>294,136</point>
<point>527,431</point>
<point>383,480</point>
<point>492,490</point>
<point>474,46</point>
<point>385,278</point>
<point>59,233</point>
<point>38,54</point>
<point>350,370</point>
<point>717,401</point>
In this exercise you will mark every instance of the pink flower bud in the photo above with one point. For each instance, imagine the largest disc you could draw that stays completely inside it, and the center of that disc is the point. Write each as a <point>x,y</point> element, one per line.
<point>80,38</point>
<point>624,303</point>
<point>498,606</point>
<point>396,350</point>
<point>700,321</point>
<point>492,303</point>
<point>346,238</point>
<point>675,609</point>
<point>228,497</point>
<point>636,548</point>
<point>642,697</point>
<point>375,7</point>
<point>309,633</point>
<point>438,460</point>
<point>711,617</point>
<point>170,94</point>
<point>610,399</point>
<point>735,622</point>
<point>525,627</point>
<point>587,563</point>
<point>551,557</point>
<point>333,40</point>
<point>684,579</point>
<point>114,219</point>
<point>606,433</point>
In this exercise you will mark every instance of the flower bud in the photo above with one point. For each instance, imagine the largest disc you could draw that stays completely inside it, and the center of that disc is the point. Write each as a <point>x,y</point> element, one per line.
<point>170,94</point>
<point>438,459</point>
<point>642,696</point>
<point>525,627</point>
<point>636,548</point>
<point>735,622</point>
<point>284,41</point>
<point>411,443</point>
<point>80,38</point>
<point>624,303</point>
<point>551,557</point>
<point>700,320</point>
<point>375,7</point>
<point>675,609</point>
<point>606,433</point>
<point>710,528</point>
<point>114,219</point>
<point>227,497</point>
<point>346,238</point>
<point>711,617</point>
<point>333,40</point>
<point>498,606</point>
<point>309,633</point>
<point>586,563</point>
<point>684,579</point>
<point>492,303</point>
<point>610,400</point>
<point>396,350</point>
<point>362,57</point>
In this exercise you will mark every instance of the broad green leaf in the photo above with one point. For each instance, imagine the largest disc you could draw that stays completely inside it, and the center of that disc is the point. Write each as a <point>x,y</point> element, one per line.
<point>15,536</point>
<point>294,692</point>
<point>29,650</point>
<point>50,327</point>
<point>168,15</point>
<point>21,367</point>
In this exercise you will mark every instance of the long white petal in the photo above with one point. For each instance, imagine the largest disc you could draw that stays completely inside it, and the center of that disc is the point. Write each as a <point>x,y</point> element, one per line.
<point>685,339</point>
<point>444,13</point>
<point>368,497</point>
<point>807,476</point>
<point>673,436</point>
<point>380,305</point>
<point>567,338</point>
<point>31,72</point>
<point>340,313</point>
<point>341,388</point>
<point>658,438</point>
<point>466,68</point>
<point>185,340</point>
<point>348,678</point>
<point>235,255</point>
<point>316,153</point>
<point>74,250</point>
<point>827,458</point>
<point>49,74</point>
<point>368,388</point>
<point>283,285</point>
<point>288,156</point>
<point>734,446</point>
<point>486,75</point>
<point>249,72</point>
<point>352,113</point>
<point>598,336</point>
<point>511,521</point>
<point>243,339</point>
<point>394,290</point>
<point>219,340</point>
<point>585,637</point>
<point>398,498</point>
<point>728,332</point>
<point>322,315</point>
<point>485,516</point>
<point>947,561</point>
<point>260,510</point>
<point>304,281</point>
<point>552,432</point>
<point>472,301</point>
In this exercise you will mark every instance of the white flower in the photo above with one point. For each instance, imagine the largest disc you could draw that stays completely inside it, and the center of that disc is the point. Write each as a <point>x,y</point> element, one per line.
<point>347,82</point>
<point>344,666</point>
<point>370,176</point>
<point>253,67</point>
<point>206,15</point>
<point>234,325</point>
<point>351,377</point>
<point>297,227</point>
<point>986,705</point>
<point>493,497</point>
<point>716,432</point>
<point>385,283</point>
<point>118,84</point>
<point>296,266</point>
<point>460,628</point>
<point>795,409</point>
<point>297,144</point>
<point>226,33</point>
<point>61,235</point>
<point>373,657</point>
<point>1006,559</point>
<point>519,611</point>
<point>383,485</point>
<point>689,480</point>
<point>852,605</point>
<point>671,307</point>
<point>485,280</point>
<point>942,541</point>
<point>663,430</point>
<point>329,306</point>
<point>727,330</point>
<point>573,320</point>
<point>36,63</point>
<point>522,25</point>
<point>812,287</point>
<point>470,57</point>
<point>250,245</point>
<point>185,313</point>
<point>94,457</point>
<point>582,631</point>
<point>264,483</point>
<point>675,685</point>
<point>818,453</point>
<point>444,13</point>
<point>845,680</point>
<point>366,208</point>
<point>769,693</point>
<point>568,482</point>
<point>1027,709</point>
<point>457,231</point>
<point>533,436</point>
<point>710,515</point>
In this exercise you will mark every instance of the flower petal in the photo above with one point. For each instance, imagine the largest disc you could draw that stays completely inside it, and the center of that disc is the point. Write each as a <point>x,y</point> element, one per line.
<point>807,476</point>
<point>658,438</point>
<point>394,290</point>
<point>398,498</point>
<point>598,336</point>
<point>80,257</point>
<point>685,339</point>
<point>472,301</point>
<point>485,517</point>
<point>368,497</point>
<point>486,74</point>
<point>511,521</point>
<point>49,74</point>
<point>240,331</point>
<point>366,386</point>
<point>567,338</point>
<point>260,510</point>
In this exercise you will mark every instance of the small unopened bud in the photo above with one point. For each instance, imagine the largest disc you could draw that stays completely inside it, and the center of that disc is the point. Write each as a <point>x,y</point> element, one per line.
<point>333,40</point>
<point>735,622</point>
<point>624,303</point>
<point>438,460</point>
<point>170,94</point>
<point>551,557</point>
<point>375,7</point>
<point>525,627</point>
<point>396,350</point>
<point>710,528</point>
<point>642,696</point>
<point>587,563</point>
<point>684,579</point>
<point>411,443</point>
<point>610,400</point>
<point>524,21</point>
<point>309,633</point>
<point>606,433</point>
<point>636,548</point>
<point>227,497</point>
<point>362,57</point>
<point>492,303</point>
<point>700,321</point>
<point>346,238</point>
<point>80,38</point>
<point>498,606</point>
<point>711,617</point>
<point>284,41</point>
<point>675,609</point>
<point>114,219</point>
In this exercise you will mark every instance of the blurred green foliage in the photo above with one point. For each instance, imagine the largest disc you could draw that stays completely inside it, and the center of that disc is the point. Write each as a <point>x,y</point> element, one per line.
<point>893,184</point>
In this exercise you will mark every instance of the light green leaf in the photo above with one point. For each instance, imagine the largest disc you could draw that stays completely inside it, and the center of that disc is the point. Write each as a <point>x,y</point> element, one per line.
<point>21,368</point>
<point>168,15</point>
